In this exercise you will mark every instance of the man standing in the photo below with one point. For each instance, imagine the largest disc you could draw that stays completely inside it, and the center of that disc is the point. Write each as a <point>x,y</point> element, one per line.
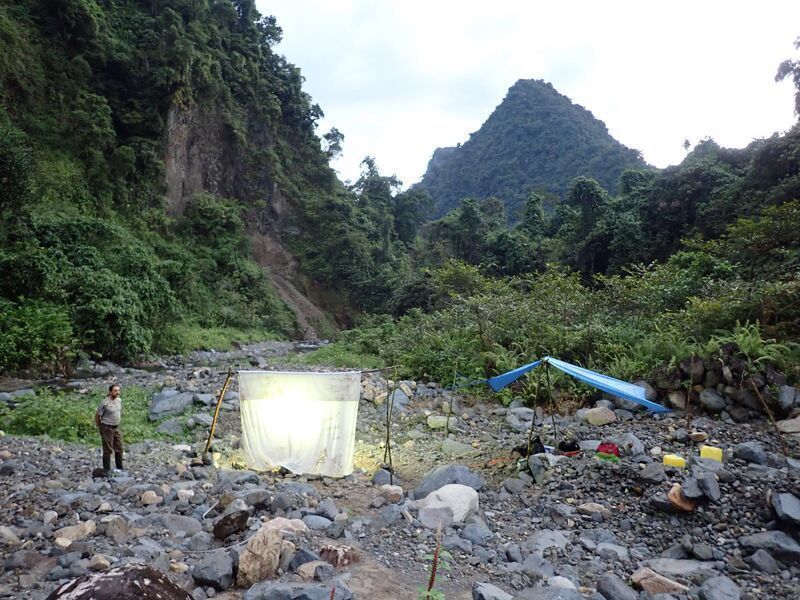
<point>107,418</point>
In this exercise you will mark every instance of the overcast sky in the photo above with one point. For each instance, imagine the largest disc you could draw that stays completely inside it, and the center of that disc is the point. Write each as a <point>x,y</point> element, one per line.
<point>401,77</point>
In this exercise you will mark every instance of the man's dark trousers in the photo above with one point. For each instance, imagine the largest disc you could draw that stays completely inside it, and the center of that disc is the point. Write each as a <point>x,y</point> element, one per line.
<point>112,442</point>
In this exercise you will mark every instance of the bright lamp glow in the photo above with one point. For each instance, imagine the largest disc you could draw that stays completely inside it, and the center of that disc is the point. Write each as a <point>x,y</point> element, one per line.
<point>305,422</point>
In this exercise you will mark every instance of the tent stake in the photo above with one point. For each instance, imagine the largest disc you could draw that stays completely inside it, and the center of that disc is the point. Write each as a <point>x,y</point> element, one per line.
<point>216,413</point>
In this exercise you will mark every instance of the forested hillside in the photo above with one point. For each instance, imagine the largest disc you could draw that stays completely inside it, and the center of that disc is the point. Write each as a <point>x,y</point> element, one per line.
<point>156,157</point>
<point>536,140</point>
<point>688,261</point>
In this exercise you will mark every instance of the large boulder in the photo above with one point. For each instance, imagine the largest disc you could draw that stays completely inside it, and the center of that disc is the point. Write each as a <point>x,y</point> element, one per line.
<point>449,504</point>
<point>168,403</point>
<point>128,582</point>
<point>446,474</point>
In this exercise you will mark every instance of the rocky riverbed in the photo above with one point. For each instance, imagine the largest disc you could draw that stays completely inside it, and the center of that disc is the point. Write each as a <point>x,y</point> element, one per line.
<point>545,527</point>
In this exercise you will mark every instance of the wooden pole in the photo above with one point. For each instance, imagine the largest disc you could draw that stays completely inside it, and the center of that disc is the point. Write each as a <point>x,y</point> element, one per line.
<point>552,408</point>
<point>535,404</point>
<point>216,412</point>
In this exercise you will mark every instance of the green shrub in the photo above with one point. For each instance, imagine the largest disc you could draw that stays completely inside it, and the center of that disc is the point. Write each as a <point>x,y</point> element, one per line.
<point>34,332</point>
<point>70,416</point>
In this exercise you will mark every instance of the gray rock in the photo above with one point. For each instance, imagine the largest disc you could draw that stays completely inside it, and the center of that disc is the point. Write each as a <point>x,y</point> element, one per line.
<point>454,542</point>
<point>445,474</point>
<point>703,552</point>
<point>787,396</point>
<point>179,523</point>
<point>752,452</point>
<point>761,560</point>
<point>389,515</point>
<point>653,473</point>
<point>297,591</point>
<point>230,523</point>
<point>382,477</point>
<point>203,419</point>
<point>787,507</point>
<point>216,570</point>
<point>477,534</point>
<point>327,508</point>
<point>691,489</point>
<point>613,588</point>
<point>537,567</point>
<point>301,557</point>
<point>487,591</point>
<point>546,538</point>
<point>205,399</point>
<point>712,401</point>
<point>514,485</point>
<point>776,543</point>
<point>719,588</point>
<point>317,522</point>
<point>710,487</point>
<point>169,403</point>
<point>548,593</point>
<point>23,559</point>
<point>171,426</point>
<point>24,393</point>
<point>628,444</point>
<point>675,567</point>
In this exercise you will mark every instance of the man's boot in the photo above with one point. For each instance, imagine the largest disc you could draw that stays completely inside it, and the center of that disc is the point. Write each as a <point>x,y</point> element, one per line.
<point>106,462</point>
<point>118,460</point>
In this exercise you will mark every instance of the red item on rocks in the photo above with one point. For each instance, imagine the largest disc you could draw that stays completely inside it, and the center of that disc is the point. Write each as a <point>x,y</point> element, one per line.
<point>608,448</point>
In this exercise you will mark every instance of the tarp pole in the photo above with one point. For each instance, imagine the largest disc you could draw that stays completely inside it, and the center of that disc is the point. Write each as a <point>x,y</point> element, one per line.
<point>216,413</point>
<point>552,408</point>
<point>535,404</point>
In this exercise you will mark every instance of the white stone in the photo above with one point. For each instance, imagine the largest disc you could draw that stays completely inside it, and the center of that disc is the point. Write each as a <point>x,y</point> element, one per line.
<point>8,536</point>
<point>78,532</point>
<point>49,516</point>
<point>460,499</point>
<point>184,495</point>
<point>599,415</point>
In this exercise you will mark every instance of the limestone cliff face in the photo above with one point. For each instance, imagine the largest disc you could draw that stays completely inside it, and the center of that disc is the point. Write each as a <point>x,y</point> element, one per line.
<point>202,153</point>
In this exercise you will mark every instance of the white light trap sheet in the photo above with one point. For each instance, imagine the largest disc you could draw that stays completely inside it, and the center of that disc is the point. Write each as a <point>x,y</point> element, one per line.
<point>305,422</point>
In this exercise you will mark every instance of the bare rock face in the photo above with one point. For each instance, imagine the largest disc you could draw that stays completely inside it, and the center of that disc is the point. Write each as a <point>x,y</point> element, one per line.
<point>260,558</point>
<point>129,582</point>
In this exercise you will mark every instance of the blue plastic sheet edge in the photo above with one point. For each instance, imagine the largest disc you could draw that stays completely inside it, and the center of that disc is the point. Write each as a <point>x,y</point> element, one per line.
<point>500,381</point>
<point>615,387</point>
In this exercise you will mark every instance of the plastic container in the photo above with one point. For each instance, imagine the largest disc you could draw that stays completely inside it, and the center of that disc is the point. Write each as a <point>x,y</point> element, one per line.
<point>711,452</point>
<point>673,460</point>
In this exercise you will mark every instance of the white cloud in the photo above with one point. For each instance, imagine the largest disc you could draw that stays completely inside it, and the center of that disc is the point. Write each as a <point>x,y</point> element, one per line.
<point>399,78</point>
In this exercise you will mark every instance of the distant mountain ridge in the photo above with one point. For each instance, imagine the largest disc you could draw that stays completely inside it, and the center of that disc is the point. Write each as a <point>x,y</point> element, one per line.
<point>535,140</point>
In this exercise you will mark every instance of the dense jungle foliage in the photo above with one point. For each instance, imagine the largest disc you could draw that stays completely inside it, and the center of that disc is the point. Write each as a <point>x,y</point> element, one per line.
<point>89,260</point>
<point>536,140</point>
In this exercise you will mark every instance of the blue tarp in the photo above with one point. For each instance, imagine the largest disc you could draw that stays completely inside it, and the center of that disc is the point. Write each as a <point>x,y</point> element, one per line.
<point>501,381</point>
<point>612,386</point>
